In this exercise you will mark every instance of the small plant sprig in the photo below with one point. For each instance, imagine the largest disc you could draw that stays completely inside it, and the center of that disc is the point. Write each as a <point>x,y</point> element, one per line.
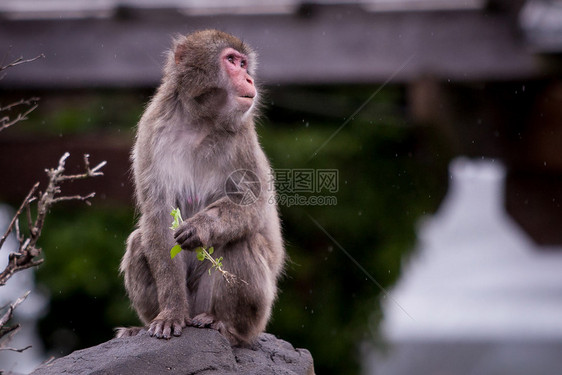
<point>201,252</point>
<point>176,214</point>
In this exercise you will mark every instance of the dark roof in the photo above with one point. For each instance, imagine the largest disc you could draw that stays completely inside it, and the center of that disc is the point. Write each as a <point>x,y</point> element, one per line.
<point>304,44</point>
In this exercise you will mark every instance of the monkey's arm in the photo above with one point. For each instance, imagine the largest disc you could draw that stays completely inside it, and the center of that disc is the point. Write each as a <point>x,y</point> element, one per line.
<point>219,223</point>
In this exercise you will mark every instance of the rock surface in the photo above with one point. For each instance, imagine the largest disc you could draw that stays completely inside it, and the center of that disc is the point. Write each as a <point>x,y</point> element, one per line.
<point>196,351</point>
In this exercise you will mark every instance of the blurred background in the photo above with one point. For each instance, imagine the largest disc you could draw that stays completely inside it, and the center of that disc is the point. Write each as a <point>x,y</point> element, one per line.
<point>434,247</point>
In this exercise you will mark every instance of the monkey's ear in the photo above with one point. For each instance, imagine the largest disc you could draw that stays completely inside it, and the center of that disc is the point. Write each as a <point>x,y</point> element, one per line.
<point>180,52</point>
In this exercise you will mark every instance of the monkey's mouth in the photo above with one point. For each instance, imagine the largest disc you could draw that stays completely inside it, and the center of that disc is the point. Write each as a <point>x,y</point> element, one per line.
<point>246,100</point>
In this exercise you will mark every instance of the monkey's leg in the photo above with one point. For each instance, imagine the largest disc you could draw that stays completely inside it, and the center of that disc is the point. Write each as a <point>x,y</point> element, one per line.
<point>171,294</point>
<point>139,284</point>
<point>240,317</point>
<point>240,309</point>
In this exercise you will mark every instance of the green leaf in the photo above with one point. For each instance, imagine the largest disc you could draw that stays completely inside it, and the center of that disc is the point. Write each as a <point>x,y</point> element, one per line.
<point>176,214</point>
<point>200,254</point>
<point>211,250</point>
<point>175,251</point>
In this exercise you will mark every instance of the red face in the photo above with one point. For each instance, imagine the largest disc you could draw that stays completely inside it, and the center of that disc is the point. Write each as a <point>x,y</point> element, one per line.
<point>236,66</point>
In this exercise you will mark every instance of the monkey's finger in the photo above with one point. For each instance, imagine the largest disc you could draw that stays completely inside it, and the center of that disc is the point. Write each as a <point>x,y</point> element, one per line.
<point>167,330</point>
<point>182,235</point>
<point>152,329</point>
<point>156,329</point>
<point>177,328</point>
<point>202,320</point>
<point>184,227</point>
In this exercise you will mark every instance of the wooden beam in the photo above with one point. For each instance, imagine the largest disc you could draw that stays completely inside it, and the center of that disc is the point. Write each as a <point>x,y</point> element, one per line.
<point>317,45</point>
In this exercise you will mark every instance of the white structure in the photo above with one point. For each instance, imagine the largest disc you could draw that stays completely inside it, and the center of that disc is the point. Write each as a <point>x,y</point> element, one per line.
<point>475,278</point>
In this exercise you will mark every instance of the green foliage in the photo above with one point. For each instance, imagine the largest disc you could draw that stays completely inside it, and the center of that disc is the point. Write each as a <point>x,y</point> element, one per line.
<point>86,245</point>
<point>176,214</point>
<point>200,252</point>
<point>82,249</point>
<point>176,250</point>
<point>86,111</point>
<point>390,174</point>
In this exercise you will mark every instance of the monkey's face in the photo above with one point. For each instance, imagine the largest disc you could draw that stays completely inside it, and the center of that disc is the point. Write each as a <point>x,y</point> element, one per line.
<point>242,90</point>
<point>212,74</point>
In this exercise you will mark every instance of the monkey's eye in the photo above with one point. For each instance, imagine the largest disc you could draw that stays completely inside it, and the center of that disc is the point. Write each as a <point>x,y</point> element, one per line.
<point>243,64</point>
<point>230,59</point>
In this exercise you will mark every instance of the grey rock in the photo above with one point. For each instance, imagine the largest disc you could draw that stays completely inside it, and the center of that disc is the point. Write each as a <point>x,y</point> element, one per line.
<point>196,351</point>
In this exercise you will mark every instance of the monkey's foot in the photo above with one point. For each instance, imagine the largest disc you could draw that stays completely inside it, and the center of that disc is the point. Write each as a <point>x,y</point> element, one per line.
<point>164,329</point>
<point>164,326</point>
<point>204,320</point>
<point>127,331</point>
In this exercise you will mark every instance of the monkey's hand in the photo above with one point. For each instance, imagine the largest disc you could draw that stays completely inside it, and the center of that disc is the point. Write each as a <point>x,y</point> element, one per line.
<point>168,323</point>
<point>192,234</point>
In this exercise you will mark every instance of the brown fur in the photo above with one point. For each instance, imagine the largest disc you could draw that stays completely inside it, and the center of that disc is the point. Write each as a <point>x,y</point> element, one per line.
<point>192,136</point>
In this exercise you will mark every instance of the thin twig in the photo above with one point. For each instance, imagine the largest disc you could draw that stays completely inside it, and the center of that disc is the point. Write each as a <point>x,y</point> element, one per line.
<point>20,60</point>
<point>89,172</point>
<point>8,331</point>
<point>216,264</point>
<point>75,198</point>
<point>17,350</point>
<point>24,204</point>
<point>29,101</point>
<point>6,123</point>
<point>19,235</point>
<point>8,314</point>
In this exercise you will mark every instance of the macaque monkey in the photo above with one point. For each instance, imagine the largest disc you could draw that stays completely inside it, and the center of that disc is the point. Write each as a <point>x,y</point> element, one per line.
<point>197,149</point>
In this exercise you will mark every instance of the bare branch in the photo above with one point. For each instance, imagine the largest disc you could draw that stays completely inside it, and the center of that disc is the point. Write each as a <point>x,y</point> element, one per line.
<point>19,61</point>
<point>5,122</point>
<point>8,314</point>
<point>8,331</point>
<point>30,101</point>
<point>74,198</point>
<point>6,334</point>
<point>95,171</point>
<point>20,261</point>
<point>24,204</point>
<point>17,350</point>
<point>89,172</point>
<point>27,252</point>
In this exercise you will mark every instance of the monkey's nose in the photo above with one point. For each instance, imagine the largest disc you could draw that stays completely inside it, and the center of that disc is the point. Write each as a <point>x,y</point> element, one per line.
<point>249,80</point>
